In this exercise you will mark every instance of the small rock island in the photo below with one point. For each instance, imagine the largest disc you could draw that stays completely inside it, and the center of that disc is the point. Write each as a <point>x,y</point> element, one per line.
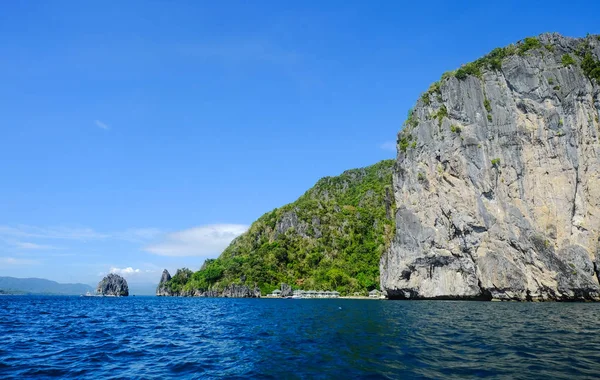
<point>113,285</point>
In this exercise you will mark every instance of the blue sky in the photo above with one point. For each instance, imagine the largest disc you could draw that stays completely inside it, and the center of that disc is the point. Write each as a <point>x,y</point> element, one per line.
<point>137,136</point>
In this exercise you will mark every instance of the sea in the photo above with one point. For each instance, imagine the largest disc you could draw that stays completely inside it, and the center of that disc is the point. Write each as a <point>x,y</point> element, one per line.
<point>204,338</point>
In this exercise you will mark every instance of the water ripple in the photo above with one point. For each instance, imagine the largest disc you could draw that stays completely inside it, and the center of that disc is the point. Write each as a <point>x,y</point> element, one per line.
<point>149,337</point>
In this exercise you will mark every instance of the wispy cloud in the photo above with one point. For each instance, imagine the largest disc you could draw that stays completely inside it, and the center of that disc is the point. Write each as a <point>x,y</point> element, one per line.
<point>101,125</point>
<point>388,145</point>
<point>5,261</point>
<point>34,246</point>
<point>65,233</point>
<point>206,240</point>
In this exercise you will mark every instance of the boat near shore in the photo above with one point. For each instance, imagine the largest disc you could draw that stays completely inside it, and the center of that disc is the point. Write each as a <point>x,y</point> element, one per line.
<point>88,294</point>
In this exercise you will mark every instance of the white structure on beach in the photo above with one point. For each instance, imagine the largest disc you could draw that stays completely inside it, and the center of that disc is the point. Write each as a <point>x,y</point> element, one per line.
<point>375,294</point>
<point>308,294</point>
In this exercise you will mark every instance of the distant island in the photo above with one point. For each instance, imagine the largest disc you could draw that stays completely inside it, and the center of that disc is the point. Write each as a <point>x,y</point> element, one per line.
<point>113,285</point>
<point>13,285</point>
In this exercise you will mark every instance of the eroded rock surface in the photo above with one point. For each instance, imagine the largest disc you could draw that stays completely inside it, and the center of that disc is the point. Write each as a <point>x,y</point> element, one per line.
<point>498,183</point>
<point>163,289</point>
<point>286,290</point>
<point>113,285</point>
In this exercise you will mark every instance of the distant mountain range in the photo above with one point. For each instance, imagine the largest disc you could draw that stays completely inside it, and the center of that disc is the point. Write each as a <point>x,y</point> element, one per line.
<point>12,285</point>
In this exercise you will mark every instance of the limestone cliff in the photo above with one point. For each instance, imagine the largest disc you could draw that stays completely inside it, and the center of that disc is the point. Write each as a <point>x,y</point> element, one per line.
<point>497,179</point>
<point>113,285</point>
<point>162,289</point>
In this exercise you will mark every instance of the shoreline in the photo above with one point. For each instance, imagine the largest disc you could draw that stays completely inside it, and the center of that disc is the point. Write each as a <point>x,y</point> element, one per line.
<point>327,298</point>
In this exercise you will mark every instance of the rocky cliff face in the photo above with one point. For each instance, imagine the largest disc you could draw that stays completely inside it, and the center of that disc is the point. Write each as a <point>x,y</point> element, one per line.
<point>162,289</point>
<point>113,285</point>
<point>498,179</point>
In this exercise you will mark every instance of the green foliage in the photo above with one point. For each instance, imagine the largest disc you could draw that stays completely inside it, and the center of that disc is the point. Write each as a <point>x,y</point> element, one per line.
<point>411,121</point>
<point>448,75</point>
<point>493,60</point>
<point>180,279</point>
<point>455,129</point>
<point>441,113</point>
<point>560,123</point>
<point>425,98</point>
<point>421,177</point>
<point>487,105</point>
<point>469,69</point>
<point>413,145</point>
<point>567,60</point>
<point>583,48</point>
<point>528,43</point>
<point>489,117</point>
<point>404,142</point>
<point>550,81</point>
<point>434,89</point>
<point>591,66</point>
<point>495,162</point>
<point>556,88</point>
<point>341,229</point>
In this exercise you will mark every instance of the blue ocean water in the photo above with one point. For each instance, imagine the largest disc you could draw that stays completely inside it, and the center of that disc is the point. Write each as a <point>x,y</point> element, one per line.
<point>153,337</point>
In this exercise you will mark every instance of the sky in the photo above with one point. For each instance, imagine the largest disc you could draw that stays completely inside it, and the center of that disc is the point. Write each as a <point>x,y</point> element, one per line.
<point>142,135</point>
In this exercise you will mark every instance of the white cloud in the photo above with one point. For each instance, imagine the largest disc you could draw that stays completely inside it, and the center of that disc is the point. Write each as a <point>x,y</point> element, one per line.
<point>14,261</point>
<point>388,145</point>
<point>101,125</point>
<point>209,240</point>
<point>131,273</point>
<point>124,271</point>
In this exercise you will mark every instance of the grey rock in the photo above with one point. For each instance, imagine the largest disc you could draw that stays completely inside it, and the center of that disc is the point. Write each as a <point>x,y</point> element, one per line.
<point>162,289</point>
<point>290,220</point>
<point>113,285</point>
<point>286,290</point>
<point>240,291</point>
<point>509,208</point>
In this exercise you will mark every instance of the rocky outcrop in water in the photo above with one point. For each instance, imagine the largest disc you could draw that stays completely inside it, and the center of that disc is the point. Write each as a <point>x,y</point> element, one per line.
<point>162,288</point>
<point>113,285</point>
<point>498,179</point>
